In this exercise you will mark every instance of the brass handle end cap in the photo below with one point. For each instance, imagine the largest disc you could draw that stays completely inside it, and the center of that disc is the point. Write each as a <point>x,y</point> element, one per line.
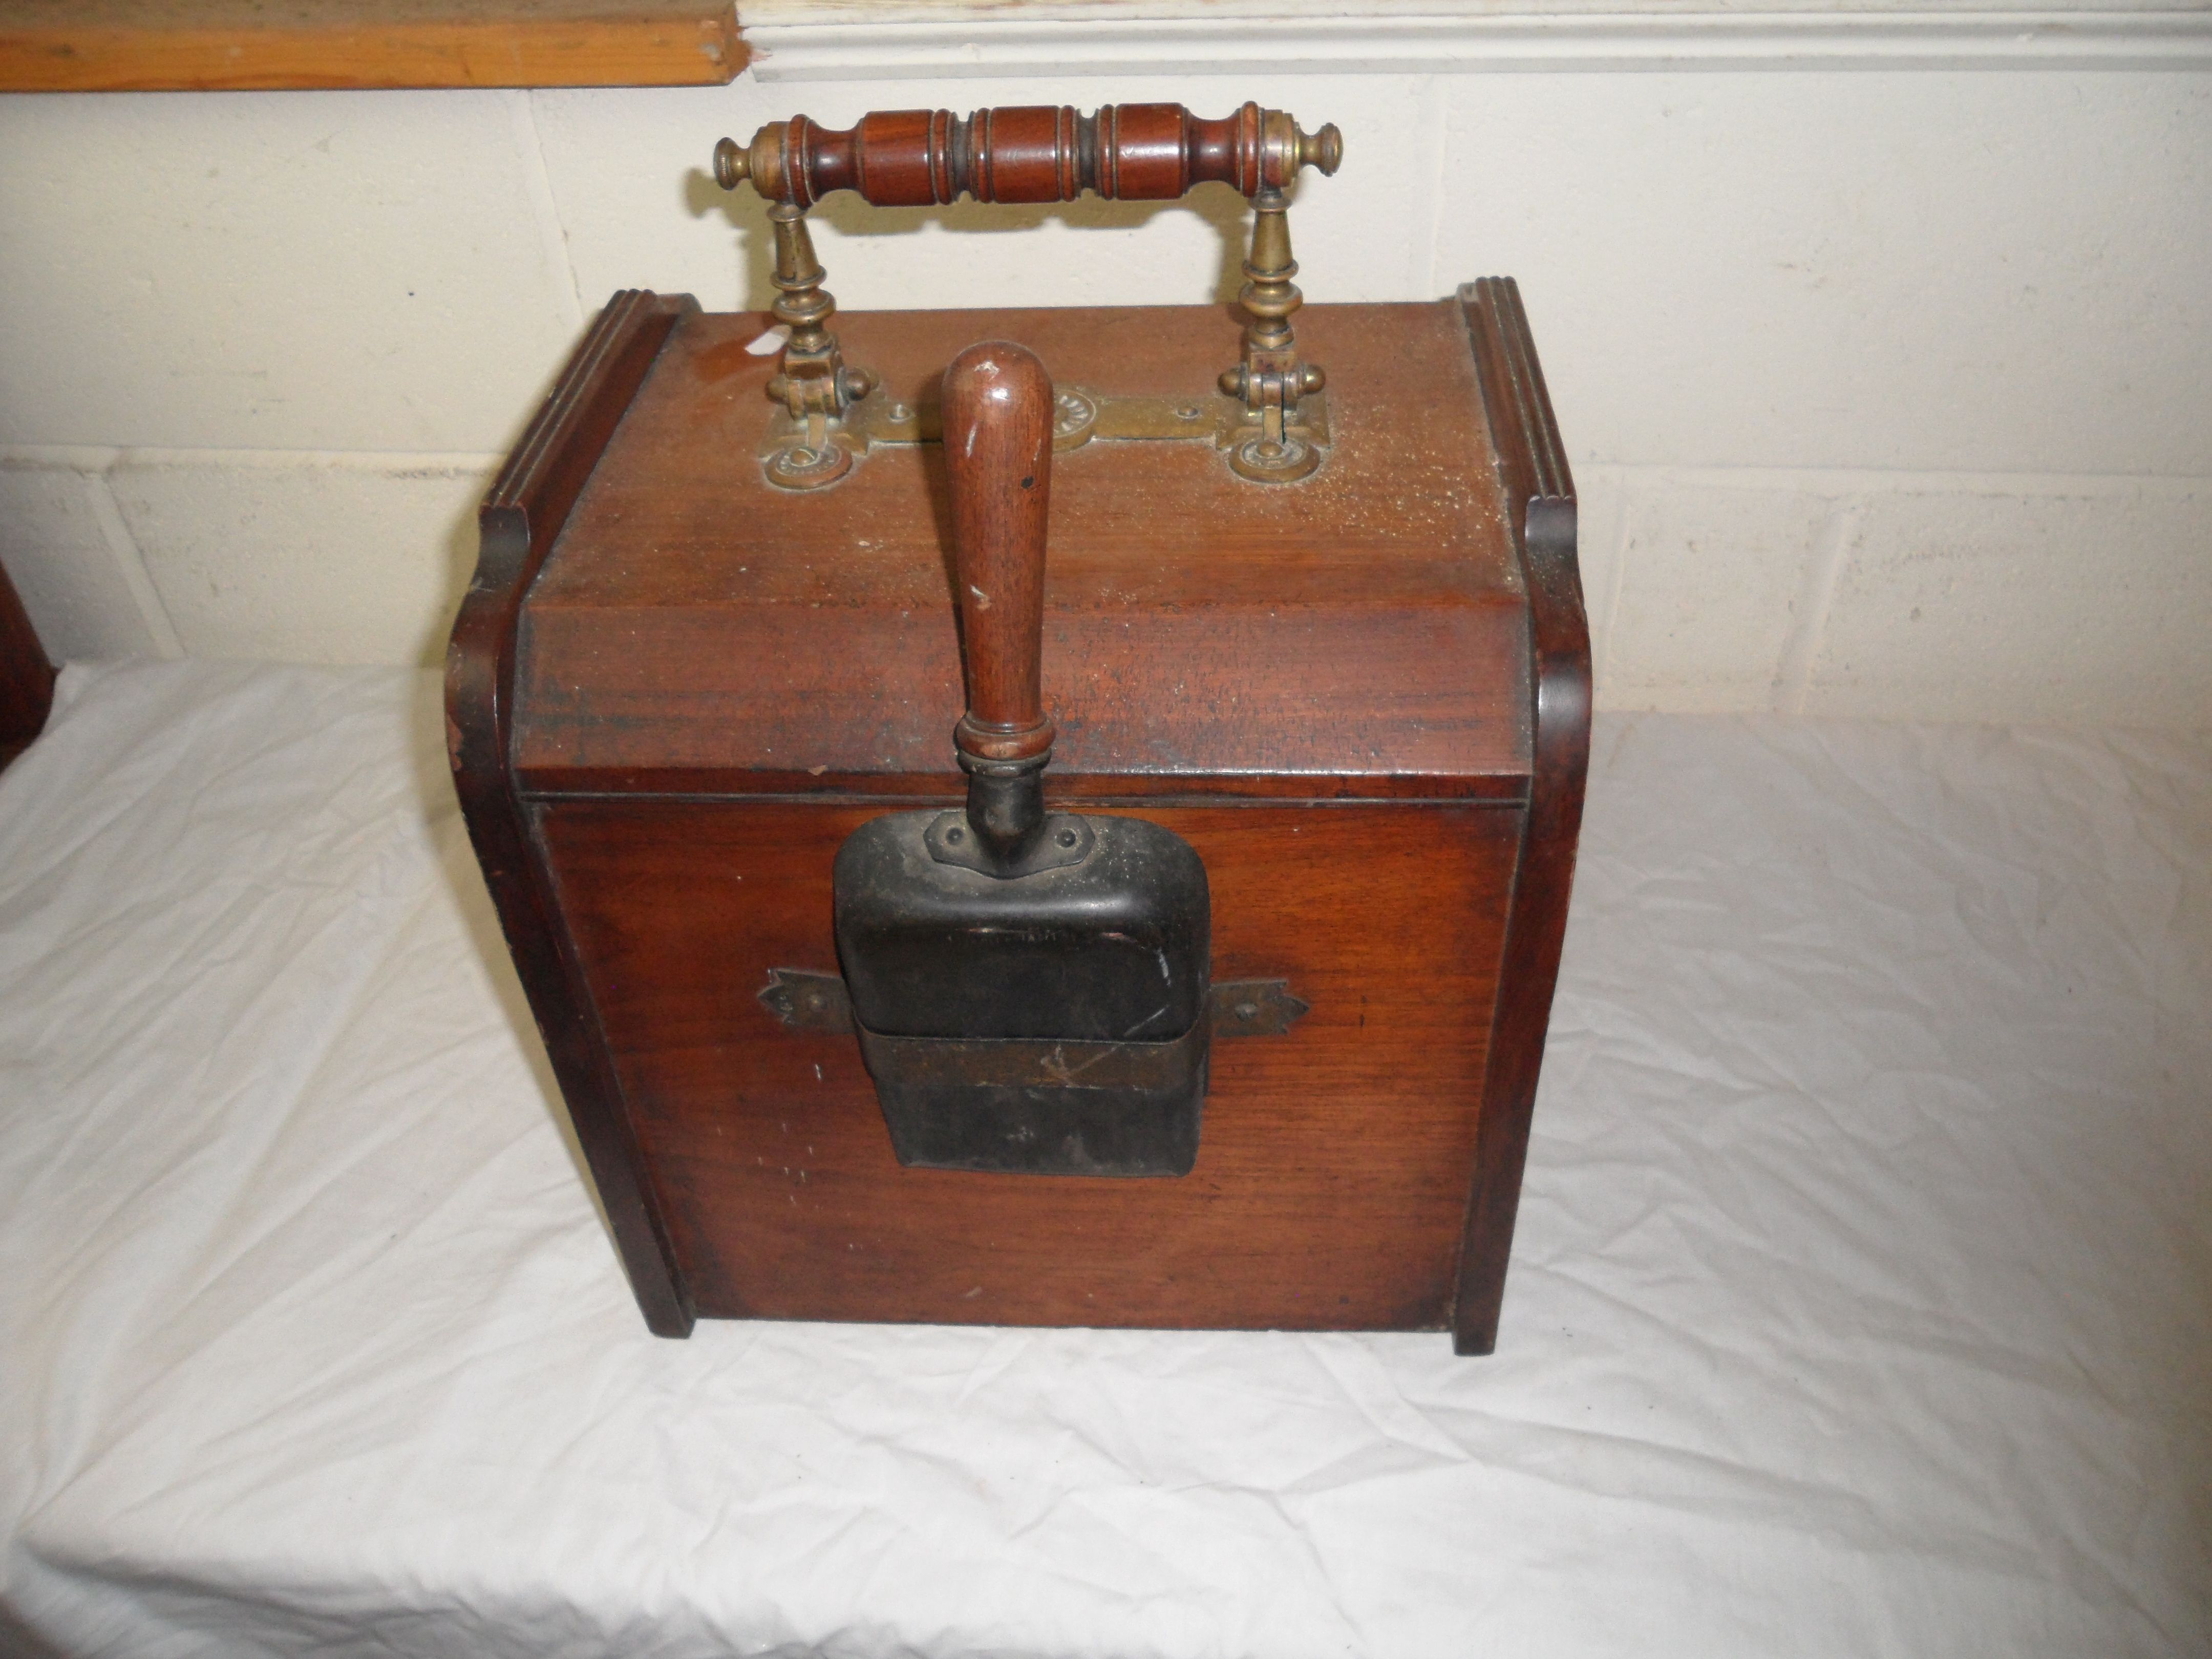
<point>1323,149</point>
<point>733,166</point>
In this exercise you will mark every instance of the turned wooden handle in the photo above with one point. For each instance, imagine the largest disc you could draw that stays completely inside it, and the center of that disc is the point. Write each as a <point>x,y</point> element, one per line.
<point>1126,152</point>
<point>998,461</point>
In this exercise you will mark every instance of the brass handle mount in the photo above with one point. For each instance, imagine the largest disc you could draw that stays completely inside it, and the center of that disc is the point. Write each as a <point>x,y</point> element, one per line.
<point>1042,154</point>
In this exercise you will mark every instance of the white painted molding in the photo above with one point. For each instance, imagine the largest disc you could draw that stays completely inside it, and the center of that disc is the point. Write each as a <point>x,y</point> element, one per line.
<point>858,47</point>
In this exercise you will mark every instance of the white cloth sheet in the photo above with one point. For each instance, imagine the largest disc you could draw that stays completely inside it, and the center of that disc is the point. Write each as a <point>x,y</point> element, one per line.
<point>1861,1303</point>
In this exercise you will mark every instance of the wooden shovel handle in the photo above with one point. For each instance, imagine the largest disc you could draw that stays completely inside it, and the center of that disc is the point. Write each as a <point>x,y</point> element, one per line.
<point>1124,152</point>
<point>998,461</point>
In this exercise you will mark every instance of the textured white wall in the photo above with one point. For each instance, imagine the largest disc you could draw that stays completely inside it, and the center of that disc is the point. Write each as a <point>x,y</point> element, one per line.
<point>1888,392</point>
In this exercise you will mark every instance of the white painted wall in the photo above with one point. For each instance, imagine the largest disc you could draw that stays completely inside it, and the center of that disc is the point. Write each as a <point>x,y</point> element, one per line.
<point>1889,391</point>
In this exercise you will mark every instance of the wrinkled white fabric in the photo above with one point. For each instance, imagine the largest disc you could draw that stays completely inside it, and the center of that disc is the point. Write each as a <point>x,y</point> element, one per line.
<point>1861,1303</point>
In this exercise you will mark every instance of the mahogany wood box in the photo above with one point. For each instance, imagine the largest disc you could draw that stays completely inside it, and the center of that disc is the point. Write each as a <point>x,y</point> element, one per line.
<point>1363,697</point>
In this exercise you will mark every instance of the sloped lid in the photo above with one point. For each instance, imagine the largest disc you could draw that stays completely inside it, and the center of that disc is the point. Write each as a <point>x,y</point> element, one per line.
<point>1360,633</point>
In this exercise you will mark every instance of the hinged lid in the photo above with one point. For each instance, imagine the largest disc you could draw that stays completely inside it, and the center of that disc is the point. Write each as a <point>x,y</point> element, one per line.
<point>1361,633</point>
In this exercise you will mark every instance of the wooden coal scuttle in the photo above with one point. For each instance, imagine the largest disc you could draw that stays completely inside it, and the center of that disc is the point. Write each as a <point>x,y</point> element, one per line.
<point>1197,974</point>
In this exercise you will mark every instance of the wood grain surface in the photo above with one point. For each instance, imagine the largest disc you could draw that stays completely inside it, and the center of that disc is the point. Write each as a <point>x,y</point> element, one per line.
<point>1363,699</point>
<point>521,519</point>
<point>998,475</point>
<point>1034,152</point>
<point>1331,1182</point>
<point>1361,633</point>
<point>1541,492</point>
<point>155,45</point>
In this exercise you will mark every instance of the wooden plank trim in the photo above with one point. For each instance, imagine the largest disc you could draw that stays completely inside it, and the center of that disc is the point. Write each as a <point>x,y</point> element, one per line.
<point>1540,496</point>
<point>519,522</point>
<point>191,46</point>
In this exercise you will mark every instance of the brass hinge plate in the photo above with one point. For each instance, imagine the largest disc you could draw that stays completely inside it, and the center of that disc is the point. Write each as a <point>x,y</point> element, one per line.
<point>1080,415</point>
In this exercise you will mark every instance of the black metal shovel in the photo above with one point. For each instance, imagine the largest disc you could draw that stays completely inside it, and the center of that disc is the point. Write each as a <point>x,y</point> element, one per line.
<point>1029,987</point>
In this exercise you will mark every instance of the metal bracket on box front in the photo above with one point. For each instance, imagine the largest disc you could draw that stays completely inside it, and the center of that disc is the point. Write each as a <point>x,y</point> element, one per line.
<point>1066,838</point>
<point>1253,1007</point>
<point>806,1001</point>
